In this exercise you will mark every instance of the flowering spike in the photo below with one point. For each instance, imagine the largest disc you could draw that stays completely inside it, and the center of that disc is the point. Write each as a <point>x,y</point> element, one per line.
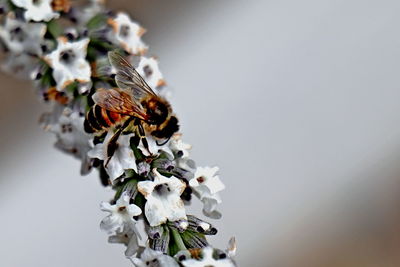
<point>117,121</point>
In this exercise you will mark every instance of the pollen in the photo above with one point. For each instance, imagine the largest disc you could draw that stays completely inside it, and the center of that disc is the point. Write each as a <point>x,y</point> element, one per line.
<point>201,179</point>
<point>122,209</point>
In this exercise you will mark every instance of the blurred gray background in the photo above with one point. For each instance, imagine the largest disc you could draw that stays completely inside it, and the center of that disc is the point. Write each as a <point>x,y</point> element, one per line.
<point>295,101</point>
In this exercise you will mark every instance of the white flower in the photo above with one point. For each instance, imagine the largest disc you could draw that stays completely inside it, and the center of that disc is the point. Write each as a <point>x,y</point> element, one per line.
<point>49,119</point>
<point>19,65</point>
<point>21,36</point>
<point>37,10</point>
<point>206,185</point>
<point>149,70</point>
<point>208,260</point>
<point>154,148</point>
<point>181,152</point>
<point>179,148</point>
<point>69,63</point>
<point>206,182</point>
<point>163,199</point>
<point>186,164</point>
<point>71,137</point>
<point>152,258</point>
<point>122,159</point>
<point>92,9</point>
<point>129,238</point>
<point>210,206</point>
<point>127,34</point>
<point>121,215</point>
<point>4,7</point>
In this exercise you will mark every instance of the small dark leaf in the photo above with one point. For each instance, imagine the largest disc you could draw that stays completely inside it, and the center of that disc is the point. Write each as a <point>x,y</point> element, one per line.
<point>194,240</point>
<point>96,22</point>
<point>54,28</point>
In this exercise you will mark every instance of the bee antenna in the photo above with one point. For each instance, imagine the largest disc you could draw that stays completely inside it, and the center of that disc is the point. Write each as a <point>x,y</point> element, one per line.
<point>166,141</point>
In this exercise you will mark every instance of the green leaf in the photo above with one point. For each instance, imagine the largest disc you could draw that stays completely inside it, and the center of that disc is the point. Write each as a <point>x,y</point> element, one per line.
<point>173,249</point>
<point>11,5</point>
<point>72,87</point>
<point>91,53</point>
<point>134,142</point>
<point>164,172</point>
<point>54,28</point>
<point>194,240</point>
<point>129,173</point>
<point>163,155</point>
<point>177,240</point>
<point>129,185</point>
<point>140,201</point>
<point>118,192</point>
<point>96,22</point>
<point>47,78</point>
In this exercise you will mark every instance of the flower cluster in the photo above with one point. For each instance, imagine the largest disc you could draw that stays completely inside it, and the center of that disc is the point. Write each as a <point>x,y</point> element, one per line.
<point>154,178</point>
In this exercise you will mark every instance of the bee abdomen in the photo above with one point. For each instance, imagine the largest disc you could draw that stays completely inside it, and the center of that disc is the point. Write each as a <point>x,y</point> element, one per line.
<point>91,124</point>
<point>98,119</point>
<point>101,116</point>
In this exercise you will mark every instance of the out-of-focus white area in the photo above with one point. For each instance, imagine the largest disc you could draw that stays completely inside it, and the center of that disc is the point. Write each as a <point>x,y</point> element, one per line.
<point>295,101</point>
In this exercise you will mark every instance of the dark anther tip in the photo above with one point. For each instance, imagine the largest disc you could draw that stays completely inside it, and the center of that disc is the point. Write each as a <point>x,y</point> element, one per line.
<point>182,258</point>
<point>156,236</point>
<point>70,36</point>
<point>200,229</point>
<point>213,231</point>
<point>222,256</point>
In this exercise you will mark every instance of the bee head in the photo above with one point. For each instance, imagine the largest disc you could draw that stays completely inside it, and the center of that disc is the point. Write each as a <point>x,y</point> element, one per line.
<point>157,111</point>
<point>168,130</point>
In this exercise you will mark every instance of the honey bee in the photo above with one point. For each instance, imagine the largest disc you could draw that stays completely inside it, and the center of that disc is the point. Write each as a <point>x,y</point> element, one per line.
<point>134,103</point>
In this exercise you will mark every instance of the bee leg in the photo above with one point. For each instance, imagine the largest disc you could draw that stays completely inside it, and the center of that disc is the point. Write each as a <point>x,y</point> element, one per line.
<point>145,144</point>
<point>142,136</point>
<point>112,145</point>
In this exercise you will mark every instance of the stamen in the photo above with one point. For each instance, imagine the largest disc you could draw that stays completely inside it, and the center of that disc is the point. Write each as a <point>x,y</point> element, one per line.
<point>124,30</point>
<point>147,71</point>
<point>201,179</point>
<point>17,34</point>
<point>122,209</point>
<point>67,56</point>
<point>162,189</point>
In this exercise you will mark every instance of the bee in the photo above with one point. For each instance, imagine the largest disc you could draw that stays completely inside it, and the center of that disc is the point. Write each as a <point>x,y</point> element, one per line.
<point>134,103</point>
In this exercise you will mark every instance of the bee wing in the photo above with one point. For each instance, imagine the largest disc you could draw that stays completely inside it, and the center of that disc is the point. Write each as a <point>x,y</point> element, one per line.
<point>128,78</point>
<point>118,101</point>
